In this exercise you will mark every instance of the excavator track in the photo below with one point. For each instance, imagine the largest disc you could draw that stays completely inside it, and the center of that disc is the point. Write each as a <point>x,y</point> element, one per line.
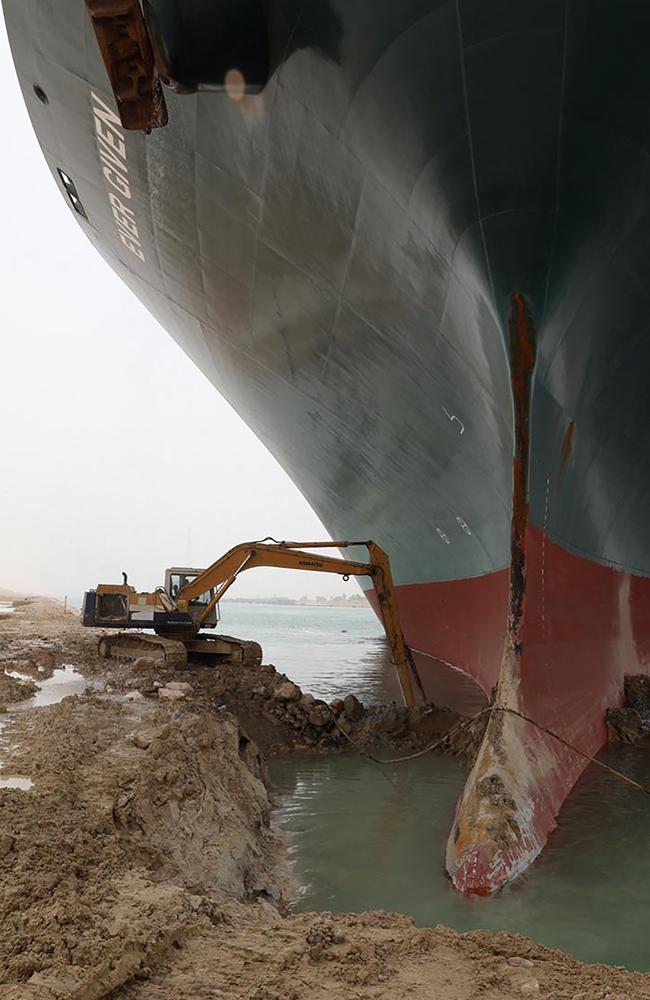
<point>174,653</point>
<point>224,649</point>
<point>251,652</point>
<point>130,646</point>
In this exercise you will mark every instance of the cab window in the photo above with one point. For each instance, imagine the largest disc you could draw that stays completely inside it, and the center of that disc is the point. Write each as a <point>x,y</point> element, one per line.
<point>179,580</point>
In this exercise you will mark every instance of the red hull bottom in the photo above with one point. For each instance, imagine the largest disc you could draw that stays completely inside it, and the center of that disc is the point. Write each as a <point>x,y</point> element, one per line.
<point>585,626</point>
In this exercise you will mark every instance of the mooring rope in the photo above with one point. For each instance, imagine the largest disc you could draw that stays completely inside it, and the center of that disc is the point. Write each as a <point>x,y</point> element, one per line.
<point>594,760</point>
<point>419,753</point>
<point>468,722</point>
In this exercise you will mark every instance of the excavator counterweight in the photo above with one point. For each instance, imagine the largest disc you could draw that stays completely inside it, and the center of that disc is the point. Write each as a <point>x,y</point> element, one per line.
<point>188,602</point>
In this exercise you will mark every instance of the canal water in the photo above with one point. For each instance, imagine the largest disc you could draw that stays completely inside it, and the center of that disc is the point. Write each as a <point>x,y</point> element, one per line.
<point>364,837</point>
<point>369,837</point>
<point>327,651</point>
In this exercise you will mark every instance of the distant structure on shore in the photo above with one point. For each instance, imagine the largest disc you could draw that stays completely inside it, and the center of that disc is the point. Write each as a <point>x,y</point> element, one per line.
<point>340,601</point>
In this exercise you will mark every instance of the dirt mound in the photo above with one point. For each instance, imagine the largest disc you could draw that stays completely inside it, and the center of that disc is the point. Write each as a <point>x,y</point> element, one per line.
<point>138,828</point>
<point>373,955</point>
<point>279,716</point>
<point>13,689</point>
<point>40,626</point>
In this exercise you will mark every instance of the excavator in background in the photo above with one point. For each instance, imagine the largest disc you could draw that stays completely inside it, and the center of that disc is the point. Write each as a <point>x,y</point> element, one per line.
<point>188,602</point>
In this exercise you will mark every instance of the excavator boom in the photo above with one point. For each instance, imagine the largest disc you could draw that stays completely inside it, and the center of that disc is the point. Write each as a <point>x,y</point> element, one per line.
<point>281,555</point>
<point>221,575</point>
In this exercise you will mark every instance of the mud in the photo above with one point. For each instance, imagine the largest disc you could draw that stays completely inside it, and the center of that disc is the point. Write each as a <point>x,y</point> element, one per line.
<point>142,863</point>
<point>40,636</point>
<point>14,689</point>
<point>373,955</point>
<point>139,828</point>
<point>279,716</point>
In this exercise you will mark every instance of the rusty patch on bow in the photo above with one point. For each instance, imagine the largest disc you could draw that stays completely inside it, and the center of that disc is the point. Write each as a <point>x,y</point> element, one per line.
<point>567,445</point>
<point>522,362</point>
<point>126,49</point>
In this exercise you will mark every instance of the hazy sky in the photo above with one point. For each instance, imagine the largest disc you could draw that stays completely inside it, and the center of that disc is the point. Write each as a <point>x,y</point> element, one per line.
<point>90,483</point>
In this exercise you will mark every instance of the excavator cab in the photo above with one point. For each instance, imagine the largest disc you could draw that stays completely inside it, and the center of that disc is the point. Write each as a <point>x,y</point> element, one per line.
<point>121,606</point>
<point>178,577</point>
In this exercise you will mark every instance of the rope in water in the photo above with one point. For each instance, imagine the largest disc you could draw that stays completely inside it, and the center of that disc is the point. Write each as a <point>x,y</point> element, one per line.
<point>419,753</point>
<point>497,708</point>
<point>594,760</point>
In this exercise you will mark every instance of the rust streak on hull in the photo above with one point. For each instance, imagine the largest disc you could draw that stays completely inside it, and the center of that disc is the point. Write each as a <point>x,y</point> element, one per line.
<point>492,839</point>
<point>522,363</point>
<point>567,445</point>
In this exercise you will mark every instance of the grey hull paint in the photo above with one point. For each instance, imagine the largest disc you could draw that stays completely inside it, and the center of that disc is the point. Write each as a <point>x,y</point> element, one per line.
<point>337,256</point>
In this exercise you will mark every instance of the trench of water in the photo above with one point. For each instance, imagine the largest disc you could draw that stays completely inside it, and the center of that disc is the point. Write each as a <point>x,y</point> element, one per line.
<point>64,681</point>
<point>368,837</point>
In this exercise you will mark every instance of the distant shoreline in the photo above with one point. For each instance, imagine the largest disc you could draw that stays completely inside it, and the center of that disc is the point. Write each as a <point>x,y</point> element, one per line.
<point>301,602</point>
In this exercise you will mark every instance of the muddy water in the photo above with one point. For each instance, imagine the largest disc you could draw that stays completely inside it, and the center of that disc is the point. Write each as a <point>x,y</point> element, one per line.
<point>365,837</point>
<point>327,651</point>
<point>63,682</point>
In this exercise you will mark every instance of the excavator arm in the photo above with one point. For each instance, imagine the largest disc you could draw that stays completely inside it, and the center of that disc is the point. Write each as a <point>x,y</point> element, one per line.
<point>221,575</point>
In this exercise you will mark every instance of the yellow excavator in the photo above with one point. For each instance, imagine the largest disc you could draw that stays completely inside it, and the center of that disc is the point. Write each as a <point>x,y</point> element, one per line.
<point>188,602</point>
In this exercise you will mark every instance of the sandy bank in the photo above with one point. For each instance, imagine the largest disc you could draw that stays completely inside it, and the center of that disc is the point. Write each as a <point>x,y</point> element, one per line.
<point>142,862</point>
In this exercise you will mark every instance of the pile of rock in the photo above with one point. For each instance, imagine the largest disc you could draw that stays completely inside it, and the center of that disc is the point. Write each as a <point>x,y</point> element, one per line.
<point>174,691</point>
<point>314,721</point>
<point>345,722</point>
<point>631,723</point>
<point>278,715</point>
